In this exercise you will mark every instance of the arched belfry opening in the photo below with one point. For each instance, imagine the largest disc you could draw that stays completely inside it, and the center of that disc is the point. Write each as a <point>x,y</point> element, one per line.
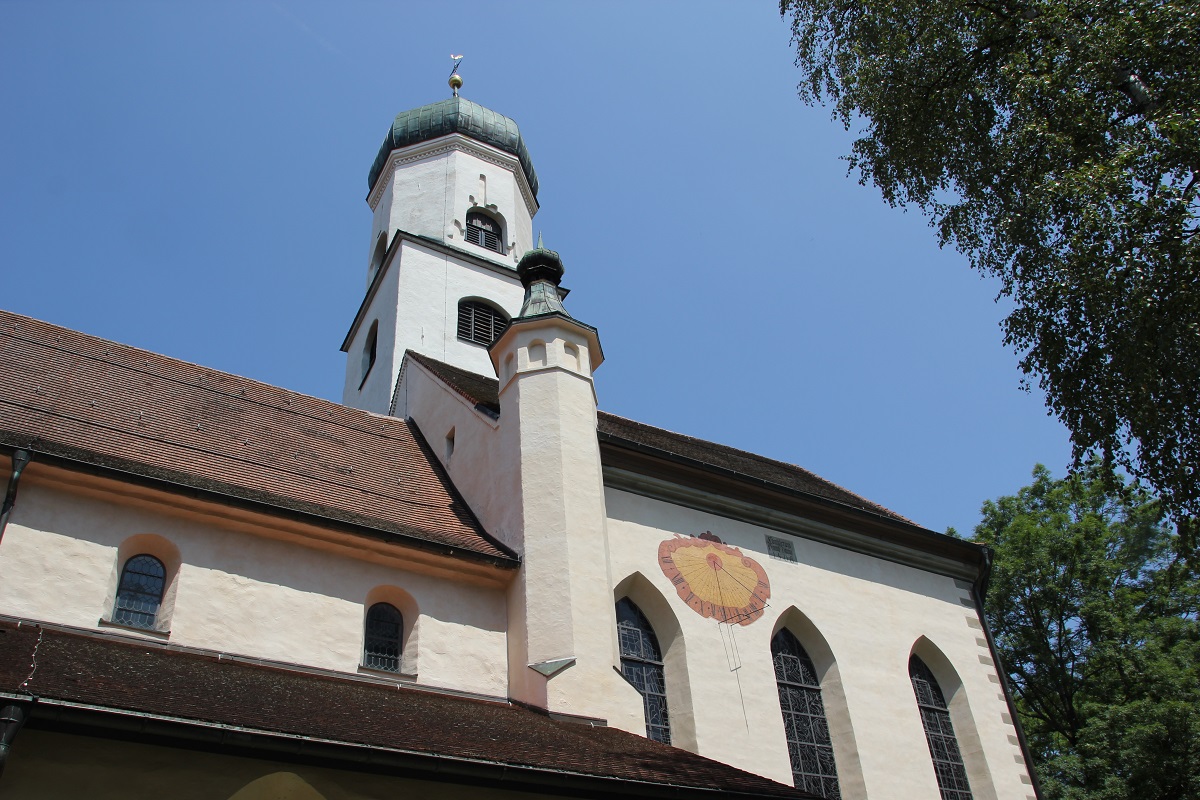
<point>486,231</point>
<point>480,322</point>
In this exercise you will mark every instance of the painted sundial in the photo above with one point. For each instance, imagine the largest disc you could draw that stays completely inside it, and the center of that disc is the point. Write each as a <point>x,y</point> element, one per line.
<point>715,579</point>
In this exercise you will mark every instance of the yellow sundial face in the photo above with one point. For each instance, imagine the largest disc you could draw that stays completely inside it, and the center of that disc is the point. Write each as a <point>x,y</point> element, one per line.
<point>714,579</point>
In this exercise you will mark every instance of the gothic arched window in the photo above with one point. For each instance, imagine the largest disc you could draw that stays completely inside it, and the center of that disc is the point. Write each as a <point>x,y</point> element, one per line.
<point>381,645</point>
<point>479,323</point>
<point>140,592</point>
<point>642,665</point>
<point>485,232</point>
<point>939,733</point>
<point>804,723</point>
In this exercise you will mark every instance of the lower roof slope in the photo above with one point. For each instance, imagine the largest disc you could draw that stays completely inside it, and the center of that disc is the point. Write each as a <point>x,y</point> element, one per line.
<point>484,392</point>
<point>87,670</point>
<point>108,405</point>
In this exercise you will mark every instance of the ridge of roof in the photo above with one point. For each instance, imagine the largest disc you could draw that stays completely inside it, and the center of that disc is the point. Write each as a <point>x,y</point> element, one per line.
<point>88,670</point>
<point>484,391</point>
<point>111,405</point>
<point>478,389</point>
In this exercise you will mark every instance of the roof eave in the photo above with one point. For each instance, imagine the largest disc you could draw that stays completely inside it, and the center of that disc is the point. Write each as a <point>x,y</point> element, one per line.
<point>64,716</point>
<point>862,521</point>
<point>129,472</point>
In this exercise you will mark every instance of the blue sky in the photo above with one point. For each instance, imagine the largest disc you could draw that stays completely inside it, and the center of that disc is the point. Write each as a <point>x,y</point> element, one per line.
<point>190,178</point>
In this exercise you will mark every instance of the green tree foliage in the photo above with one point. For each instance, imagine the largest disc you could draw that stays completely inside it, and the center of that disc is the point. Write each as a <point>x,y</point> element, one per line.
<point>1095,621</point>
<point>1056,144</point>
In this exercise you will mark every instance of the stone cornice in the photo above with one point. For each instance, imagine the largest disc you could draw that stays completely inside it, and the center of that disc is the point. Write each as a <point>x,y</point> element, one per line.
<point>452,143</point>
<point>790,512</point>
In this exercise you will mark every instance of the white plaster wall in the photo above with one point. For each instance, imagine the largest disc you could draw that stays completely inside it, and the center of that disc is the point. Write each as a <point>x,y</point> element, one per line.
<point>417,306</point>
<point>562,594</point>
<point>244,594</point>
<point>375,394</point>
<point>479,467</point>
<point>871,613</point>
<point>430,192</point>
<point>432,284</point>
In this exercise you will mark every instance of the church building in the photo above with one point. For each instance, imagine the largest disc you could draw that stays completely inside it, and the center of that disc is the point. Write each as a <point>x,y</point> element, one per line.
<point>465,579</point>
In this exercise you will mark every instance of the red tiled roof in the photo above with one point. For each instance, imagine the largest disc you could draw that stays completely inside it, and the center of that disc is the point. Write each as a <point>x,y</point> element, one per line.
<point>150,678</point>
<point>485,392</point>
<point>90,400</point>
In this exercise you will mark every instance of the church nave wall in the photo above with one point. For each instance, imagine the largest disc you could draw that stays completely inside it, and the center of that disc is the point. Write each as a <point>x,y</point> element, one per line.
<point>860,618</point>
<point>264,596</point>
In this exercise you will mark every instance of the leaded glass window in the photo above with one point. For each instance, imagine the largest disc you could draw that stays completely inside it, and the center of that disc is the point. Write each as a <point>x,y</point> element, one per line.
<point>939,733</point>
<point>385,628</point>
<point>484,231</point>
<point>804,722</point>
<point>479,322</point>
<point>140,592</point>
<point>642,665</point>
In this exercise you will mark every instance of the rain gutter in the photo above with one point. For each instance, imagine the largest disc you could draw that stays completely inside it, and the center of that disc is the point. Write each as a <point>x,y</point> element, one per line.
<point>20,459</point>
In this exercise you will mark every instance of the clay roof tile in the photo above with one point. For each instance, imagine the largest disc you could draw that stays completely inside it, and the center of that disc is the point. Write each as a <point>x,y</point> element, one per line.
<point>87,399</point>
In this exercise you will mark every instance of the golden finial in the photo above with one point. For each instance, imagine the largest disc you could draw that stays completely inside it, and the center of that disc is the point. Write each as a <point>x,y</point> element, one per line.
<point>455,79</point>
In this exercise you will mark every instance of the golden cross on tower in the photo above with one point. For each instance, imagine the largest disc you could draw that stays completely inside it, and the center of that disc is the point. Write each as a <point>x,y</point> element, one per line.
<point>456,80</point>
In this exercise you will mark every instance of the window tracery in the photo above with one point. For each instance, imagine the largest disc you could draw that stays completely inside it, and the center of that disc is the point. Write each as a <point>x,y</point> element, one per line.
<point>804,722</point>
<point>140,592</point>
<point>383,634</point>
<point>939,733</point>
<point>642,665</point>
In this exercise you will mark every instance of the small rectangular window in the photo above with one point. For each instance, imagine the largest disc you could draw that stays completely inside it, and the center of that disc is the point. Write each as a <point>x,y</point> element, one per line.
<point>781,549</point>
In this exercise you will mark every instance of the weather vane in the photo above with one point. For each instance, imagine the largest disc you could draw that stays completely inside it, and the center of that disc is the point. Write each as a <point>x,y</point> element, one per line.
<point>455,79</point>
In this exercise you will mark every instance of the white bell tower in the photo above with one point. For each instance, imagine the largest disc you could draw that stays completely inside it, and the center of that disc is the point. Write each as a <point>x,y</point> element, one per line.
<point>454,192</point>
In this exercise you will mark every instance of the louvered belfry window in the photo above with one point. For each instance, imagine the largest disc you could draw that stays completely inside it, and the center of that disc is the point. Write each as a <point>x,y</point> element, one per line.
<point>385,628</point>
<point>939,733</point>
<point>807,730</point>
<point>642,665</point>
<point>479,322</point>
<point>484,231</point>
<point>140,592</point>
